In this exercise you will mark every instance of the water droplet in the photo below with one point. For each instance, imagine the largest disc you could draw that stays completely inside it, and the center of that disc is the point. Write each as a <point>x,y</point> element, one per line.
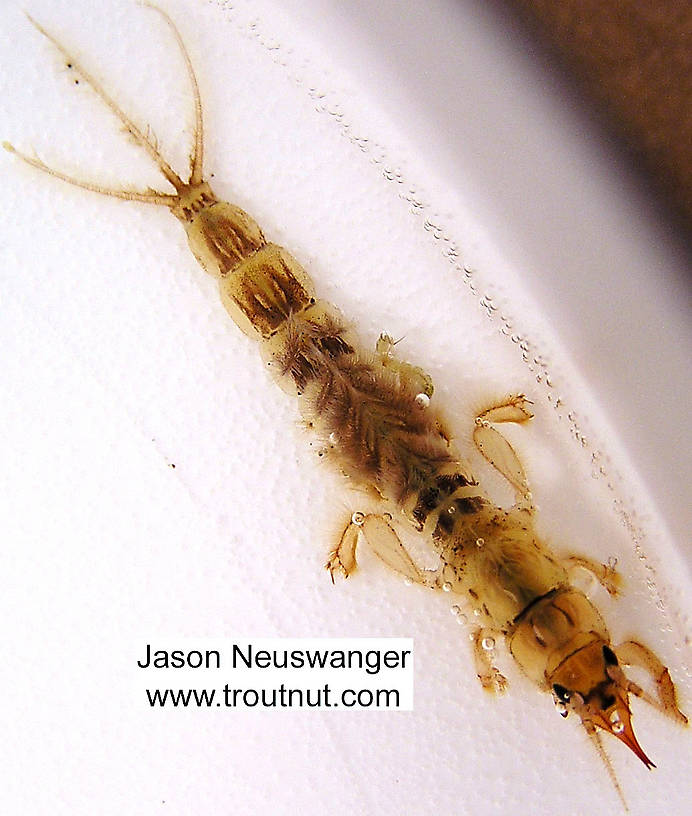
<point>462,619</point>
<point>488,643</point>
<point>333,438</point>
<point>451,510</point>
<point>455,610</point>
<point>480,542</point>
<point>618,727</point>
<point>358,518</point>
<point>408,582</point>
<point>447,587</point>
<point>423,400</point>
<point>614,716</point>
<point>387,516</point>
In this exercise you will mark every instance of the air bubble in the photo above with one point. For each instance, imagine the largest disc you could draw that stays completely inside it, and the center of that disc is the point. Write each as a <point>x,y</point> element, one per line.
<point>447,587</point>
<point>423,400</point>
<point>614,717</point>
<point>480,542</point>
<point>488,643</point>
<point>358,518</point>
<point>333,438</point>
<point>618,727</point>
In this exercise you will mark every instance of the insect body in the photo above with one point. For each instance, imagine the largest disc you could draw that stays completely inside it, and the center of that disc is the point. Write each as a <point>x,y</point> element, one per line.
<point>373,413</point>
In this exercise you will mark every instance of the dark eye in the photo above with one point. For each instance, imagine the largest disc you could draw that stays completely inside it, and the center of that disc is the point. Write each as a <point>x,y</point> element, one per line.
<point>562,693</point>
<point>609,656</point>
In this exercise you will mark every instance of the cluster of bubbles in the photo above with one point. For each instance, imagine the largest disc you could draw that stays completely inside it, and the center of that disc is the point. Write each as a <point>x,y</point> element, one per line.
<point>326,103</point>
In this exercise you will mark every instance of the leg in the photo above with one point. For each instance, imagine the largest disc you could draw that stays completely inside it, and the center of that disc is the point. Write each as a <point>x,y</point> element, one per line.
<point>383,541</point>
<point>483,647</point>
<point>386,544</point>
<point>343,557</point>
<point>496,449</point>
<point>632,653</point>
<point>415,377</point>
<point>606,575</point>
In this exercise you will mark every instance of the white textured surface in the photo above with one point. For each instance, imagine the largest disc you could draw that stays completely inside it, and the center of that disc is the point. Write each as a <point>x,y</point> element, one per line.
<point>118,362</point>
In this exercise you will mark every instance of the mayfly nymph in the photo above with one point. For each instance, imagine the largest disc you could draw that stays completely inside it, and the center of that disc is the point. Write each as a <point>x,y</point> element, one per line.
<point>374,417</point>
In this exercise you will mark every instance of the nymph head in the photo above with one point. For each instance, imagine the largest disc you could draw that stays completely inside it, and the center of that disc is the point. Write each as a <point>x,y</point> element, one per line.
<point>591,684</point>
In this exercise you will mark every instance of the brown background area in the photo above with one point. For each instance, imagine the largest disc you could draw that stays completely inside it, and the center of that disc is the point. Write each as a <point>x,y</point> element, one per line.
<point>634,59</point>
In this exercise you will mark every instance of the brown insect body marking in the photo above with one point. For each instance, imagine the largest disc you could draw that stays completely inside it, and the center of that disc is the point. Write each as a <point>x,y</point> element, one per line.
<point>374,409</point>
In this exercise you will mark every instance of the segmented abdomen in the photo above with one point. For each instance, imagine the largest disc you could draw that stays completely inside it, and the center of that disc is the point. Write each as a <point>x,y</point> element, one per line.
<point>367,407</point>
<point>368,413</point>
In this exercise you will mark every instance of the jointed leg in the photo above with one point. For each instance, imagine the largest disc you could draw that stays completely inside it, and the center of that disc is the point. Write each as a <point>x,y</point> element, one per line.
<point>383,541</point>
<point>419,380</point>
<point>606,575</point>
<point>495,448</point>
<point>483,647</point>
<point>632,653</point>
<point>386,544</point>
